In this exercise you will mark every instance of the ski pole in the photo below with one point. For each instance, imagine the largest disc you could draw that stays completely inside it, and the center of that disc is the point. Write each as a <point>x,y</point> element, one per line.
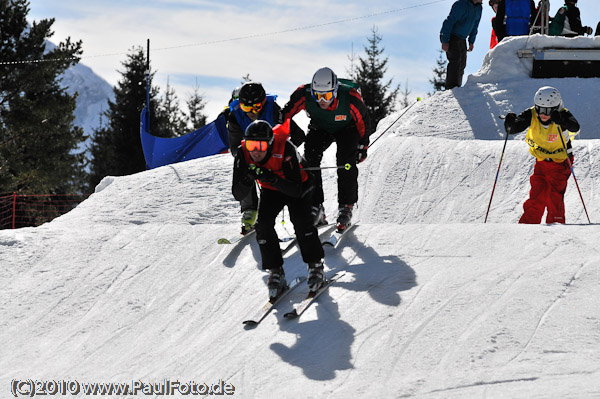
<point>346,166</point>
<point>498,172</point>
<point>393,123</point>
<point>562,139</point>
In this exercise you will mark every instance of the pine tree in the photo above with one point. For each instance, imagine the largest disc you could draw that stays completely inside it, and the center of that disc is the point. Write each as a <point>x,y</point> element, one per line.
<point>405,93</point>
<point>38,140</point>
<point>196,104</point>
<point>439,73</point>
<point>116,149</point>
<point>170,112</point>
<point>380,101</point>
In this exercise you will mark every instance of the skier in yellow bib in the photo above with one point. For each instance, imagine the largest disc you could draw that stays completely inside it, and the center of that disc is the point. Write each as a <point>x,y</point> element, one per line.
<point>547,123</point>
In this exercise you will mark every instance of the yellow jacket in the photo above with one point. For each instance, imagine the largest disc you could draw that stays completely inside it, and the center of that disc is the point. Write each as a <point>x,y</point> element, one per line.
<point>544,141</point>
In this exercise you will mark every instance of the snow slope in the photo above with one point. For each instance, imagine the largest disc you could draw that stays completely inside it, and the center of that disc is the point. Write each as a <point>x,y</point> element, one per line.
<point>132,286</point>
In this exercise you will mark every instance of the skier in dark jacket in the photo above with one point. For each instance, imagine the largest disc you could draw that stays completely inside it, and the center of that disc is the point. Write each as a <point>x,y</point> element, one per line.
<point>268,157</point>
<point>252,104</point>
<point>547,121</point>
<point>567,21</point>
<point>337,113</point>
<point>461,24</point>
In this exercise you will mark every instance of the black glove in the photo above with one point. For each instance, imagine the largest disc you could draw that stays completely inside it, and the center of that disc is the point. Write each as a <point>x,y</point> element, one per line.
<point>361,153</point>
<point>246,177</point>
<point>557,117</point>
<point>253,170</point>
<point>509,121</point>
<point>266,176</point>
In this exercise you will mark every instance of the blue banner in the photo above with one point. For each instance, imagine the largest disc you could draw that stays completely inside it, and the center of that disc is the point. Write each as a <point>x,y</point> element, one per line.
<point>208,140</point>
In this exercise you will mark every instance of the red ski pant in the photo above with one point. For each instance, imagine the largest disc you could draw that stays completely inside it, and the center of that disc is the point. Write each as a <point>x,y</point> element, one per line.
<point>548,186</point>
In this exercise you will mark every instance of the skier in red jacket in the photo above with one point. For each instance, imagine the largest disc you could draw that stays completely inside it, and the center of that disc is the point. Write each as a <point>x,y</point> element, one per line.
<point>267,156</point>
<point>337,113</point>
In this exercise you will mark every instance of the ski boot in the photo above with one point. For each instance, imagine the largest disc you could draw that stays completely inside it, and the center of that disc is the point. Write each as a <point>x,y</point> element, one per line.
<point>316,276</point>
<point>277,284</point>
<point>344,217</point>
<point>317,213</point>
<point>248,220</point>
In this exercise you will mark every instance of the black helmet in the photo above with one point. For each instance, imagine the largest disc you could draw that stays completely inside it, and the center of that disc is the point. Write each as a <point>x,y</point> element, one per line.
<point>259,130</point>
<point>252,93</point>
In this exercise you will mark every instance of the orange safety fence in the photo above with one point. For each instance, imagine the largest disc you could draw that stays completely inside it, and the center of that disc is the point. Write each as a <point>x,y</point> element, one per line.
<point>30,210</point>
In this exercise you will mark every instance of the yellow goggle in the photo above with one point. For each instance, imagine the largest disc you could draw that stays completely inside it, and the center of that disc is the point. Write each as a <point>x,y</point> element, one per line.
<point>327,96</point>
<point>254,108</point>
<point>256,145</point>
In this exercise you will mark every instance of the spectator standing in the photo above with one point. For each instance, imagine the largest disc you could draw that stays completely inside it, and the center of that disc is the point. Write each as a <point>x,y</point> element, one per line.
<point>516,16</point>
<point>567,21</point>
<point>494,39</point>
<point>461,24</point>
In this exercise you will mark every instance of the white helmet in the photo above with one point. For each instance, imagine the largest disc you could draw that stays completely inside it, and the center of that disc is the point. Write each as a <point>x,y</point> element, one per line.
<point>547,99</point>
<point>323,81</point>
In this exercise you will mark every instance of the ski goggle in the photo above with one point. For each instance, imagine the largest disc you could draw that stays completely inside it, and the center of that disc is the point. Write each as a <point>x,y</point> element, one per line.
<point>326,97</point>
<point>545,110</point>
<point>256,145</point>
<point>254,108</point>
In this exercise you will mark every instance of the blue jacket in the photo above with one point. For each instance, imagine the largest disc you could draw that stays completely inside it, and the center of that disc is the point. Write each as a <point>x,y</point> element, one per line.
<point>518,13</point>
<point>463,21</point>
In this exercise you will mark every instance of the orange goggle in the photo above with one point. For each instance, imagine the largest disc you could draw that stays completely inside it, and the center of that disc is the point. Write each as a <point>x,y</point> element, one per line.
<point>256,145</point>
<point>254,108</point>
<point>327,96</point>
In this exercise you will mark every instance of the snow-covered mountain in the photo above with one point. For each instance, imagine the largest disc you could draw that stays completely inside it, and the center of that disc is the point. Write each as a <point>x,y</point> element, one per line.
<point>132,288</point>
<point>94,93</point>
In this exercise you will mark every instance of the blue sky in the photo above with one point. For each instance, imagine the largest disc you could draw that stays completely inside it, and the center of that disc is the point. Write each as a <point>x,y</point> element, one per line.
<point>285,42</point>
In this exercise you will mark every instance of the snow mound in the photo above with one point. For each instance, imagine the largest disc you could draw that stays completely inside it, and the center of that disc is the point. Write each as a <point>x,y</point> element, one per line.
<point>503,85</point>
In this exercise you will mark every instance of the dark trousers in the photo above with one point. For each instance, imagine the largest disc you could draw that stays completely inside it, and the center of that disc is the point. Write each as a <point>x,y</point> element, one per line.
<point>271,203</point>
<point>317,141</point>
<point>457,61</point>
<point>250,202</point>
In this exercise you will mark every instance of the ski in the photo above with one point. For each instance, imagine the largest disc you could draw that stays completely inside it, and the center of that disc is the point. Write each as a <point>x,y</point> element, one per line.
<point>251,232</point>
<point>235,239</point>
<point>291,241</point>
<point>300,307</point>
<point>287,244</point>
<point>269,306</point>
<point>336,237</point>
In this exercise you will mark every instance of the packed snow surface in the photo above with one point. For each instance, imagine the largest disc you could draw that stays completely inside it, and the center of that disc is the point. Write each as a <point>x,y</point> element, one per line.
<point>132,285</point>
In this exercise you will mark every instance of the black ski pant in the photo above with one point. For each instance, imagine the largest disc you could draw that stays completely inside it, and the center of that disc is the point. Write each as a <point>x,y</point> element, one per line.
<point>317,141</point>
<point>250,201</point>
<point>457,61</point>
<point>271,203</point>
